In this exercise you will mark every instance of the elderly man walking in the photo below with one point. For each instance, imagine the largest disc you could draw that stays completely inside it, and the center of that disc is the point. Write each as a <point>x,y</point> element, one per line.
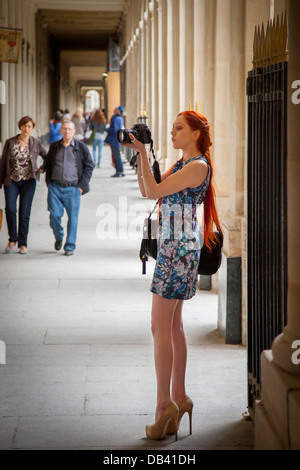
<point>69,168</point>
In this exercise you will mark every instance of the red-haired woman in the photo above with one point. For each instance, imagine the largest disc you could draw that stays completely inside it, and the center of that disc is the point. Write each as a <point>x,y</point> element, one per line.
<point>175,275</point>
<point>19,172</point>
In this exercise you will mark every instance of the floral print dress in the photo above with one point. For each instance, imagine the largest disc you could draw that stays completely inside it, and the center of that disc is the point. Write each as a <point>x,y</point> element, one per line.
<point>179,244</point>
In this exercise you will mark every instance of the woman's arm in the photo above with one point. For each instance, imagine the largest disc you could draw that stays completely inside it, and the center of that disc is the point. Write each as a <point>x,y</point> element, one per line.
<point>43,153</point>
<point>3,162</point>
<point>139,177</point>
<point>165,174</point>
<point>189,176</point>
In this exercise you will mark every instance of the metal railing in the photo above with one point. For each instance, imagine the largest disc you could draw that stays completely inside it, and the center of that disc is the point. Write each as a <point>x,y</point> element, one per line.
<point>267,200</point>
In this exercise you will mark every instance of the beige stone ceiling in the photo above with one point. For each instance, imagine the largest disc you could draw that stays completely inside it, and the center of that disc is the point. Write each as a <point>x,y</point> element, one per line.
<point>84,24</point>
<point>81,31</point>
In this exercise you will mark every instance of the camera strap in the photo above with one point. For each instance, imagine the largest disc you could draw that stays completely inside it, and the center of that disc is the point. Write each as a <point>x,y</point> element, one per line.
<point>155,166</point>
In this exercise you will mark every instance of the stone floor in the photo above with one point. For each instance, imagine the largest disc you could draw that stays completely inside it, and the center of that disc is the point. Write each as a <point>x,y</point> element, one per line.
<point>79,370</point>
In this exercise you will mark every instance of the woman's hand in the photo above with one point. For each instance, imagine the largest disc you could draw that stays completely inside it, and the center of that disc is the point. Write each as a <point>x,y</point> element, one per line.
<point>142,160</point>
<point>135,144</point>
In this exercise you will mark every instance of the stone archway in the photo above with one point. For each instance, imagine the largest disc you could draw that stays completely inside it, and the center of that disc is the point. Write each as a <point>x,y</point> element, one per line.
<point>92,100</point>
<point>92,97</point>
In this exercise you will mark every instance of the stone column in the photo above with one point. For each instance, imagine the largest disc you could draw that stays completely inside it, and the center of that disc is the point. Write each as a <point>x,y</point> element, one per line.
<point>160,51</point>
<point>20,88</point>
<point>173,73</point>
<point>162,12</point>
<point>228,156</point>
<point>130,67</point>
<point>142,39</point>
<point>209,45</point>
<point>153,73</point>
<point>148,56</point>
<point>182,52</point>
<point>199,76</point>
<point>113,84</point>
<point>4,78</point>
<point>139,72</point>
<point>189,41</point>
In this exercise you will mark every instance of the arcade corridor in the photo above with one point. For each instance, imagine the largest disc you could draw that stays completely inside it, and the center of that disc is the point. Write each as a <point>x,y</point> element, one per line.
<point>79,370</point>
<point>77,331</point>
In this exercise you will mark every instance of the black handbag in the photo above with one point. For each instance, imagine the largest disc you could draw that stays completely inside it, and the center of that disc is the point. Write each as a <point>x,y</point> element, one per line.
<point>149,241</point>
<point>210,261</point>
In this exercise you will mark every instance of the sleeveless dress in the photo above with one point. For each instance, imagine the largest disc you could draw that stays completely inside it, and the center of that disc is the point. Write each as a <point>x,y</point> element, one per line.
<point>179,243</point>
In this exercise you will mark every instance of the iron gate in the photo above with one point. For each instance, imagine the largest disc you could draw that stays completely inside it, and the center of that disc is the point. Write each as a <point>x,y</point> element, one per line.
<point>267,204</point>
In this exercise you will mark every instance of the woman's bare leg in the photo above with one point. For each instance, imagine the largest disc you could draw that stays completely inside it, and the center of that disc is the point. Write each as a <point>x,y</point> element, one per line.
<point>179,355</point>
<point>161,325</point>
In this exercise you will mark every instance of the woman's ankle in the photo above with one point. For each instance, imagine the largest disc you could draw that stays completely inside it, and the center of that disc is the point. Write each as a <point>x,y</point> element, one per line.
<point>160,408</point>
<point>178,397</point>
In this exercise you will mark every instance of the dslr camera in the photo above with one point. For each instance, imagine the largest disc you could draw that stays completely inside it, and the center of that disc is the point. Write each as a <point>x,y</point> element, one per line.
<point>140,131</point>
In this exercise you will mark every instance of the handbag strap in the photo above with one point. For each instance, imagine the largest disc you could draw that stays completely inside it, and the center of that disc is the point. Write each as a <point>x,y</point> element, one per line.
<point>159,200</point>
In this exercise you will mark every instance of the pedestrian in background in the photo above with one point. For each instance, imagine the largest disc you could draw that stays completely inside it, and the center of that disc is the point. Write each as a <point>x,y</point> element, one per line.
<point>116,123</point>
<point>69,168</point>
<point>54,127</point>
<point>98,124</point>
<point>19,173</point>
<point>79,123</point>
<point>67,115</point>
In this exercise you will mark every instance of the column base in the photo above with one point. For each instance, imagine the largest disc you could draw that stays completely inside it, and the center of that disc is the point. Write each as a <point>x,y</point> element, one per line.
<point>204,282</point>
<point>230,299</point>
<point>277,414</point>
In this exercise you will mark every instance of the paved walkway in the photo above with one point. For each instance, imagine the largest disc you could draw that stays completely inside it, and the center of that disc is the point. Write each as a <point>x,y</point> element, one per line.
<point>79,370</point>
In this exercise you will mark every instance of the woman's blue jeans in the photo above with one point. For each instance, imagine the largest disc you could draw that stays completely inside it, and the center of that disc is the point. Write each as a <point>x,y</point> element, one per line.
<point>60,198</point>
<point>97,143</point>
<point>25,191</point>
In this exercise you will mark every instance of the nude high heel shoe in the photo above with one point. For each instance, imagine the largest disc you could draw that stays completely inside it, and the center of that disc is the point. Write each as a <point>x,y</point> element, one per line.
<point>159,430</point>
<point>185,406</point>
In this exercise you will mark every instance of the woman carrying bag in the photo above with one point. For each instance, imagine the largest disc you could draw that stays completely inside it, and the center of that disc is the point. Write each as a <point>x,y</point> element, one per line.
<point>19,173</point>
<point>175,275</point>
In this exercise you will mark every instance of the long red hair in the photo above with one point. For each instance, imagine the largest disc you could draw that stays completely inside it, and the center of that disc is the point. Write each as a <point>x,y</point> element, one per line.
<point>197,121</point>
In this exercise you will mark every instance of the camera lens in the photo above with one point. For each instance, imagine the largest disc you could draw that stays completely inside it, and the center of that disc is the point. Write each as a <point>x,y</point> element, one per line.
<point>121,136</point>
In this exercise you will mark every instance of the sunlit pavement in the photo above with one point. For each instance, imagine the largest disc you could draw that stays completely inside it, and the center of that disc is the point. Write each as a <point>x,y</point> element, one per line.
<point>79,370</point>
